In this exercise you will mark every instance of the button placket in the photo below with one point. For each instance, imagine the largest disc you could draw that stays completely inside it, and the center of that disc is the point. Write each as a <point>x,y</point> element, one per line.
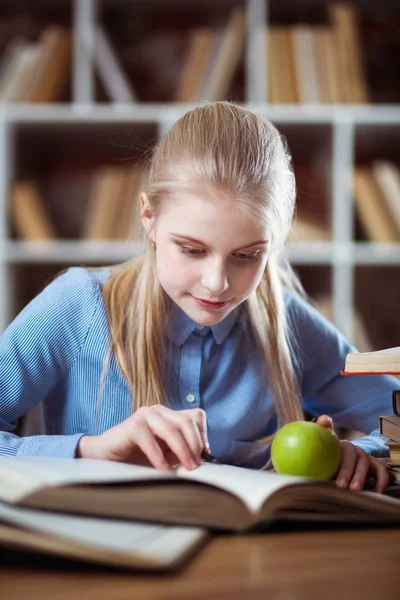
<point>190,371</point>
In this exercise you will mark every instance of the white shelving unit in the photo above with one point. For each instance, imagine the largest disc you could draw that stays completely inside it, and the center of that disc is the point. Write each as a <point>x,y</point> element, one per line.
<point>342,255</point>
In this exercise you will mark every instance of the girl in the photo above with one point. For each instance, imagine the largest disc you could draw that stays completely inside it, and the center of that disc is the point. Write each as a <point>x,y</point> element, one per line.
<point>203,341</point>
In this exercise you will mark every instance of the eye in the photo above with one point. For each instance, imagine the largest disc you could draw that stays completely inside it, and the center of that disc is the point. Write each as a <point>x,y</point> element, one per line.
<point>190,251</point>
<point>243,257</point>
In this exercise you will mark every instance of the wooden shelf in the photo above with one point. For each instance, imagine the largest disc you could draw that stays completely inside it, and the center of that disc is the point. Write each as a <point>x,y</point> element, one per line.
<point>168,113</point>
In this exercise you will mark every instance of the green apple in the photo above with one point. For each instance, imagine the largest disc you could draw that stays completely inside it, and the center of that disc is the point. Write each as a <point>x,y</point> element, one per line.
<point>306,449</point>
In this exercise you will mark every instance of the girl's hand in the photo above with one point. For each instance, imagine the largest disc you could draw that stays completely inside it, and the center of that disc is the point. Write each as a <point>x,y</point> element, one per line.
<point>154,436</point>
<point>356,466</point>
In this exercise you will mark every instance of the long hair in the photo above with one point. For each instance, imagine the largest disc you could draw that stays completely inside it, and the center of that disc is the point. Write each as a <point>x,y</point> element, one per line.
<point>224,146</point>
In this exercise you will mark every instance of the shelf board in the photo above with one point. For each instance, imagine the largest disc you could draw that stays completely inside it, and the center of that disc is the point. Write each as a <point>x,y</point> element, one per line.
<point>68,251</point>
<point>376,254</point>
<point>92,113</point>
<point>311,253</point>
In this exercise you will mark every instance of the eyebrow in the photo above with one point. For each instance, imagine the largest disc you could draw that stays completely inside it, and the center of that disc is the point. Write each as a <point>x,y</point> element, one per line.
<point>190,239</point>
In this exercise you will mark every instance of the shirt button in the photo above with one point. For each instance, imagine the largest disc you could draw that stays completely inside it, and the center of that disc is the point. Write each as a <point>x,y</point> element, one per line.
<point>190,398</point>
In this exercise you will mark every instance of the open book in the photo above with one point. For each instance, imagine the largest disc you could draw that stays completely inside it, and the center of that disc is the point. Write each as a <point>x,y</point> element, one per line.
<point>114,542</point>
<point>368,363</point>
<point>213,495</point>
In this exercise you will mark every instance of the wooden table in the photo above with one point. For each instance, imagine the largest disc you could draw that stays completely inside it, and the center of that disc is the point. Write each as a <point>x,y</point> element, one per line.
<point>322,564</point>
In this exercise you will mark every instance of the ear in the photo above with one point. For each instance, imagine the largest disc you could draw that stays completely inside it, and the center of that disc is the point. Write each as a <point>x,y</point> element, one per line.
<point>146,214</point>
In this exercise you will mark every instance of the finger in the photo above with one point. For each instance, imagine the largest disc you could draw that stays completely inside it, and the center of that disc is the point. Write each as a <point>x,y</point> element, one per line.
<point>171,458</point>
<point>191,432</point>
<point>381,475</point>
<point>200,417</point>
<point>325,421</point>
<point>164,427</point>
<point>348,462</point>
<point>185,422</point>
<point>360,470</point>
<point>144,439</point>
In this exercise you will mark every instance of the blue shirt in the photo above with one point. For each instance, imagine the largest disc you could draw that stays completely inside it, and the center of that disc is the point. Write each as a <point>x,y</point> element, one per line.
<point>54,351</point>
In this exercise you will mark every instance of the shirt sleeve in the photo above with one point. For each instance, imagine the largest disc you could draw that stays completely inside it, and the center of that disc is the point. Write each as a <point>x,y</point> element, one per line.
<point>353,402</point>
<point>36,352</point>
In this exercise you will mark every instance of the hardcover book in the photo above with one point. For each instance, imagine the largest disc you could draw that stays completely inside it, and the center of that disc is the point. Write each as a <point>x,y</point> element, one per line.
<point>386,362</point>
<point>214,496</point>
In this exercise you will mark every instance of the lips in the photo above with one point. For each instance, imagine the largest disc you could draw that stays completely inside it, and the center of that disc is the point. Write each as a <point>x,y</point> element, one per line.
<point>209,304</point>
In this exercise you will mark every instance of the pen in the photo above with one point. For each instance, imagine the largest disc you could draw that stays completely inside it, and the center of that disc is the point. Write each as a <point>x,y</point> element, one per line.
<point>210,458</point>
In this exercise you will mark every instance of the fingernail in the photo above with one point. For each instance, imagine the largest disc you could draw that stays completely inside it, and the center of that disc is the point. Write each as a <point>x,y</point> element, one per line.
<point>341,482</point>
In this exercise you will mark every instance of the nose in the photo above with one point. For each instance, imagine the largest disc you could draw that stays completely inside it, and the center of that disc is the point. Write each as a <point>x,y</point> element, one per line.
<point>215,278</point>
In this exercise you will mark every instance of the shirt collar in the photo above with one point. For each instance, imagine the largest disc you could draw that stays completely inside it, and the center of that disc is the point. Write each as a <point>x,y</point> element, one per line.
<point>180,326</point>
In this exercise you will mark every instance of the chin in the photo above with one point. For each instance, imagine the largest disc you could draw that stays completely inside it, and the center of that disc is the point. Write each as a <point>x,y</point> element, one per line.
<point>205,318</point>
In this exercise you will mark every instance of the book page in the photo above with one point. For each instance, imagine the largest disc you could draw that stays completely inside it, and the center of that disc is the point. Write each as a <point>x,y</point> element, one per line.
<point>20,476</point>
<point>389,351</point>
<point>252,486</point>
<point>360,355</point>
<point>159,544</point>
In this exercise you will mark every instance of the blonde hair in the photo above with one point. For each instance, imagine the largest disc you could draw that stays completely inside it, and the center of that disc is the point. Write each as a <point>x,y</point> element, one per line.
<point>224,146</point>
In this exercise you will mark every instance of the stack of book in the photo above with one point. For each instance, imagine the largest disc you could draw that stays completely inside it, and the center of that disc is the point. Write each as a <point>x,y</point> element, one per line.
<point>389,426</point>
<point>382,362</point>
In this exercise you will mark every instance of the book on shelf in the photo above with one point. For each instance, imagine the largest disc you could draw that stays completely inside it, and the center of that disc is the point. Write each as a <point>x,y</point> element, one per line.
<point>372,209</point>
<point>103,208</point>
<point>315,64</point>
<point>327,65</point>
<point>197,60</point>
<point>378,362</point>
<point>282,83</point>
<point>305,64</point>
<point>215,496</point>
<point>387,176</point>
<point>226,57</point>
<point>20,60</point>
<point>99,540</point>
<point>48,79</point>
<point>111,73</point>
<point>36,71</point>
<point>127,224</point>
<point>309,229</point>
<point>345,21</point>
<point>28,214</point>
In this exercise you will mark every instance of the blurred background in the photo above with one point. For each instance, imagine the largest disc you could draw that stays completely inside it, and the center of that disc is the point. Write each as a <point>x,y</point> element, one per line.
<point>87,88</point>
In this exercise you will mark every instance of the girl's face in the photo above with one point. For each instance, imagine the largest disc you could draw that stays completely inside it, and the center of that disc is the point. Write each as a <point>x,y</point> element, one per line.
<point>210,255</point>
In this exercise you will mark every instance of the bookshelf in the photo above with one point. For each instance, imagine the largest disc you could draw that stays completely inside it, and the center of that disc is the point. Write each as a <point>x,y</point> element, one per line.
<point>59,143</point>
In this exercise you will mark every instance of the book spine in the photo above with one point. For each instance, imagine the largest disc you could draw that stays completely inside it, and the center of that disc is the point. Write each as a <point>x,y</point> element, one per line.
<point>396,401</point>
<point>370,372</point>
